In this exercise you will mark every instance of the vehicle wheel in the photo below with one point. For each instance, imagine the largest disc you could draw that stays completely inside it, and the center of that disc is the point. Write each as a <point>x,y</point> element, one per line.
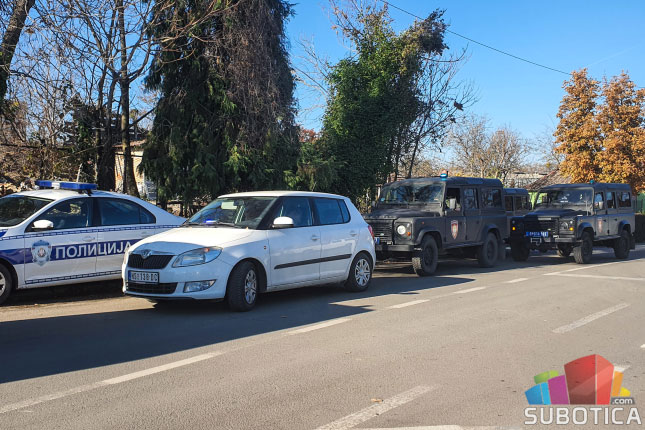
<point>424,262</point>
<point>242,288</point>
<point>488,252</point>
<point>6,283</point>
<point>564,250</point>
<point>621,245</point>
<point>360,273</point>
<point>519,251</point>
<point>583,252</point>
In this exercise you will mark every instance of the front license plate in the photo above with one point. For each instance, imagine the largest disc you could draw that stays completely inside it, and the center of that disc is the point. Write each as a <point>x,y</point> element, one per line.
<point>537,233</point>
<point>144,277</point>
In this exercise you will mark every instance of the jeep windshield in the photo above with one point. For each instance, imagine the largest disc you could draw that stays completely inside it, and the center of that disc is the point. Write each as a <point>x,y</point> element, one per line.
<point>14,209</point>
<point>412,193</point>
<point>570,198</point>
<point>239,212</point>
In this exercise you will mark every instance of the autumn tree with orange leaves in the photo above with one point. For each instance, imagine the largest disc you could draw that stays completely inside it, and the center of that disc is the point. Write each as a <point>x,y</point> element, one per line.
<point>602,130</point>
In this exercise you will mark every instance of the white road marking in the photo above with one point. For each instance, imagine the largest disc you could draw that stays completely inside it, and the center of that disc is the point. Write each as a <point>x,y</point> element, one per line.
<point>112,381</point>
<point>319,326</point>
<point>613,278</point>
<point>406,304</point>
<point>643,346</point>
<point>584,267</point>
<point>370,412</point>
<point>470,290</point>
<point>589,318</point>
<point>446,427</point>
<point>513,281</point>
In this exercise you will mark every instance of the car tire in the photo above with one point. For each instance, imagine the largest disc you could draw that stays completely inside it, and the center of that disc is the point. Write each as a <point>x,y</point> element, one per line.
<point>564,250</point>
<point>622,245</point>
<point>488,252</point>
<point>519,251</point>
<point>424,262</point>
<point>582,253</point>
<point>360,273</point>
<point>6,283</point>
<point>243,286</point>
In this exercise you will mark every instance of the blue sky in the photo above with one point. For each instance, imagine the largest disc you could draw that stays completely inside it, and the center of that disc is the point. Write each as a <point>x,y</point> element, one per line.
<point>607,37</point>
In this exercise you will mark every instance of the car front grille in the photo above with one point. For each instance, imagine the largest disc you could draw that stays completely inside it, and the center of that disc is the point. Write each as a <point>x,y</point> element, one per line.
<point>136,261</point>
<point>535,224</point>
<point>382,230</point>
<point>137,287</point>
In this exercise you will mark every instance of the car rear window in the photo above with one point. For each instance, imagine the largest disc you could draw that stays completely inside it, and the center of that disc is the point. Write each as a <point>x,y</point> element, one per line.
<point>329,211</point>
<point>122,212</point>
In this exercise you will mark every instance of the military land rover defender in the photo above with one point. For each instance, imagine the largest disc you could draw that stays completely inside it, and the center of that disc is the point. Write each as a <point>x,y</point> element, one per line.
<point>419,219</point>
<point>574,218</point>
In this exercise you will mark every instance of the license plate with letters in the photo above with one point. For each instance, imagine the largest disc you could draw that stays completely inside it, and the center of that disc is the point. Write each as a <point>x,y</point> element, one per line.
<point>537,234</point>
<point>143,277</point>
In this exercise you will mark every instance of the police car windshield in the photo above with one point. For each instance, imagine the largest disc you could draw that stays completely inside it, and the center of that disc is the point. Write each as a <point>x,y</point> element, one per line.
<point>564,199</point>
<point>15,209</point>
<point>244,212</point>
<point>417,192</point>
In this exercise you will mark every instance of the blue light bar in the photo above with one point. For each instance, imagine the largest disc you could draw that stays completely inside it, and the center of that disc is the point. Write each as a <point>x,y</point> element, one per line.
<point>76,186</point>
<point>443,176</point>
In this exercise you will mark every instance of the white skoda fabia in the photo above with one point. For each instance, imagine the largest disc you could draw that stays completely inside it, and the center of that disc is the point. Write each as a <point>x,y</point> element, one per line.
<point>248,243</point>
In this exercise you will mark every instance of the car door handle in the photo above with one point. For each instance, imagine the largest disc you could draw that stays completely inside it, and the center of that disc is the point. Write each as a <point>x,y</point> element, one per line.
<point>88,239</point>
<point>353,233</point>
<point>315,238</point>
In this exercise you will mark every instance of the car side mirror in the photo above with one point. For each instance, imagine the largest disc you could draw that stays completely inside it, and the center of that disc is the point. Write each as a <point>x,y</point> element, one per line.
<point>452,204</point>
<point>43,224</point>
<point>282,222</point>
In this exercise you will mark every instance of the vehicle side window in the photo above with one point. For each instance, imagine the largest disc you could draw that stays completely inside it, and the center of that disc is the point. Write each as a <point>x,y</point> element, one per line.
<point>298,209</point>
<point>492,198</point>
<point>454,193</point>
<point>344,211</point>
<point>75,213</point>
<point>470,198</point>
<point>122,212</point>
<point>625,199</point>
<point>611,202</point>
<point>508,203</point>
<point>328,211</point>
<point>526,205</point>
<point>597,201</point>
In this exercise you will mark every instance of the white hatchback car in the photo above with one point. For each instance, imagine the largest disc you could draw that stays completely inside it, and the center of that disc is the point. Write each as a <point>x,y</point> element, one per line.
<point>66,232</point>
<point>247,243</point>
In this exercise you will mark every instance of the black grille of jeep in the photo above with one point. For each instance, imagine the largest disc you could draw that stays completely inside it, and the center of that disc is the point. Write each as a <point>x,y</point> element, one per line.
<point>534,224</point>
<point>382,230</point>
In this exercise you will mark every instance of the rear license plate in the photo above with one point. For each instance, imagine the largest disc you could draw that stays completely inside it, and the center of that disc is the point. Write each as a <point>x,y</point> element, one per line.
<point>537,234</point>
<point>144,277</point>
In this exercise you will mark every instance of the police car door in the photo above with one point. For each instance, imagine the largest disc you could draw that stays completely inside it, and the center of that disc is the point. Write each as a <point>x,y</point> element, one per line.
<point>66,251</point>
<point>123,223</point>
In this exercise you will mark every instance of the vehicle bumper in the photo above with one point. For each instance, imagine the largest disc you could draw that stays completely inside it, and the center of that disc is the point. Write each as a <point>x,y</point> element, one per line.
<point>215,270</point>
<point>546,242</point>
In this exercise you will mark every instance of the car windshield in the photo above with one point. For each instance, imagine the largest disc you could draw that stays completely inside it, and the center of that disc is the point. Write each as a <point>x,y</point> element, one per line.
<point>240,212</point>
<point>417,192</point>
<point>15,209</point>
<point>564,199</point>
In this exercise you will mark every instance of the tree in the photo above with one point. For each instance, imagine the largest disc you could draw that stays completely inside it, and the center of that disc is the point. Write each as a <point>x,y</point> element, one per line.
<point>577,134</point>
<point>10,39</point>
<point>602,130</point>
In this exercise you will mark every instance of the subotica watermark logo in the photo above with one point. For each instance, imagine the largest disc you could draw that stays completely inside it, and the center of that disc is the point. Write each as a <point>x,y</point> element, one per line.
<point>590,380</point>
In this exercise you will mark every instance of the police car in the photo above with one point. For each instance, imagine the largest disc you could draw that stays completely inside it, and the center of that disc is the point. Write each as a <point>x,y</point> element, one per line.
<point>67,232</point>
<point>243,244</point>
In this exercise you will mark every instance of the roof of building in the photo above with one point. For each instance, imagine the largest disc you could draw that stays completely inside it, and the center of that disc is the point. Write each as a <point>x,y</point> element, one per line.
<point>552,178</point>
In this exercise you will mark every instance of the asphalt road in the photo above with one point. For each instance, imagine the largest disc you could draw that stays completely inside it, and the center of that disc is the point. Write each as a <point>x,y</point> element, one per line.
<point>453,351</point>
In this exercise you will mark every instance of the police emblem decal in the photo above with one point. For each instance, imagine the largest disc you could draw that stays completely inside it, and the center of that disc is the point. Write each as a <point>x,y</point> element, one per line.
<point>41,252</point>
<point>454,228</point>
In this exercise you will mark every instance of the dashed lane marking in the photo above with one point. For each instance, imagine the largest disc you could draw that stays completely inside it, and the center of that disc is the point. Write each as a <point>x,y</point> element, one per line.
<point>470,290</point>
<point>319,326</point>
<point>406,304</point>
<point>513,281</point>
<point>589,318</point>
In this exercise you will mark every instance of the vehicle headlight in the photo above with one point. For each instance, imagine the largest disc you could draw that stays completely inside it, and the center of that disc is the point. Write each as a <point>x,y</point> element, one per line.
<point>197,256</point>
<point>567,226</point>
<point>404,230</point>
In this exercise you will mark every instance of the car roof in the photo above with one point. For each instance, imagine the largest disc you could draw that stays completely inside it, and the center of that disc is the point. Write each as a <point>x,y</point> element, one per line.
<point>595,186</point>
<point>48,193</point>
<point>515,191</point>
<point>453,180</point>
<point>282,193</point>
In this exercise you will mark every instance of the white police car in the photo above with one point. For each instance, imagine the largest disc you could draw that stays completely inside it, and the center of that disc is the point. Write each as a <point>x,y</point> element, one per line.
<point>66,232</point>
<point>243,244</point>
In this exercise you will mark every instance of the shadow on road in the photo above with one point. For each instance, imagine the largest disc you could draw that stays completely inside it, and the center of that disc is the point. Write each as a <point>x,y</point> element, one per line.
<point>47,346</point>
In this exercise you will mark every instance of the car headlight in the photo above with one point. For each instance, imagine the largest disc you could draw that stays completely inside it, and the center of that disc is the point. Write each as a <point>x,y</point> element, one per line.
<point>404,230</point>
<point>197,256</point>
<point>567,226</point>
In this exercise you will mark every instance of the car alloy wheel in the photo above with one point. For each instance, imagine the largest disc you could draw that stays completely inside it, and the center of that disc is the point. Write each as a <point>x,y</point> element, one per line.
<point>362,272</point>
<point>3,284</point>
<point>250,286</point>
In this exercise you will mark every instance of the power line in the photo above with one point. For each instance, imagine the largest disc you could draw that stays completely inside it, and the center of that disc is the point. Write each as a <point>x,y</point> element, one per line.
<point>480,43</point>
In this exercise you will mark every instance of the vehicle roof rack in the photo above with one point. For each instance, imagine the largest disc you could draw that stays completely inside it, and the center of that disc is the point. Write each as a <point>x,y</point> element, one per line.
<point>81,187</point>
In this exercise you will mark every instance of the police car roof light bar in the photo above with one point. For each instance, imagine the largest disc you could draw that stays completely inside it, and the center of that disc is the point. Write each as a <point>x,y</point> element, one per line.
<point>75,186</point>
